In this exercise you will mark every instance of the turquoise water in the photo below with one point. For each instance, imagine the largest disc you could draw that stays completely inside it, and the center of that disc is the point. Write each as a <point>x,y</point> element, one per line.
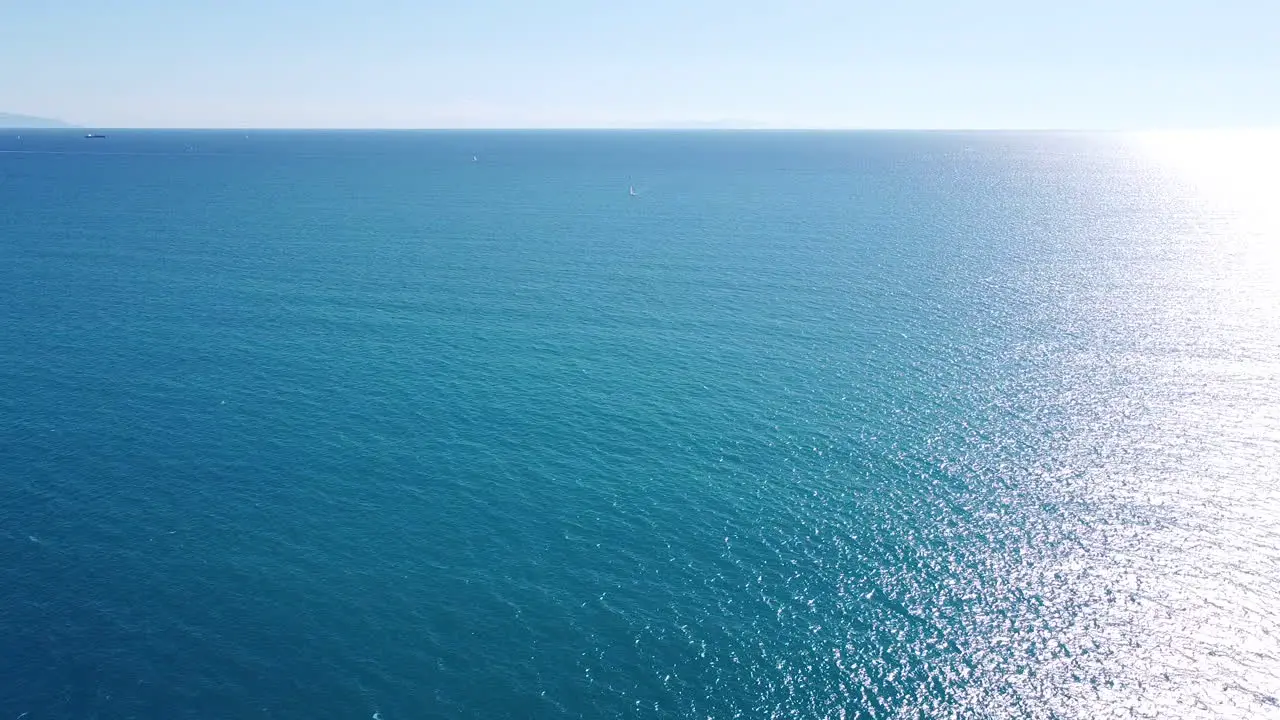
<point>890,425</point>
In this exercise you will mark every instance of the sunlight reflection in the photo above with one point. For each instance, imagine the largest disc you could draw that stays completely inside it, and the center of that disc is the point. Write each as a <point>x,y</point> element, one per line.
<point>1238,171</point>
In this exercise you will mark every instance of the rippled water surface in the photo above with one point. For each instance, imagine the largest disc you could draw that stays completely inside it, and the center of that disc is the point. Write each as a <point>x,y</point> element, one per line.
<point>299,425</point>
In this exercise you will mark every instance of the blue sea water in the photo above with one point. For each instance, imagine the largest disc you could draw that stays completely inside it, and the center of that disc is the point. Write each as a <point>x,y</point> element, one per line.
<point>817,425</point>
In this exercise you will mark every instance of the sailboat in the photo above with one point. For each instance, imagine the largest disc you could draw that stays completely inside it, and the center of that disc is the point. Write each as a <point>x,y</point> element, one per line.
<point>631,191</point>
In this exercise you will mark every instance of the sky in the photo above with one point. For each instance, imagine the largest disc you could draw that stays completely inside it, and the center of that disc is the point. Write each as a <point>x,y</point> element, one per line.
<point>1088,64</point>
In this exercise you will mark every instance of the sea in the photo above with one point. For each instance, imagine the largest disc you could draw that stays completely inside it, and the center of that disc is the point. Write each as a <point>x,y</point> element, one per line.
<point>839,425</point>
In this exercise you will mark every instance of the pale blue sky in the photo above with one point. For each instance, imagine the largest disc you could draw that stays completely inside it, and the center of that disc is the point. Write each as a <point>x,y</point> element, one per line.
<point>1124,64</point>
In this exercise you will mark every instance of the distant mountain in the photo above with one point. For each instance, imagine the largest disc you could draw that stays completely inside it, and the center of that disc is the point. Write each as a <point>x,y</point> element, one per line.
<point>12,120</point>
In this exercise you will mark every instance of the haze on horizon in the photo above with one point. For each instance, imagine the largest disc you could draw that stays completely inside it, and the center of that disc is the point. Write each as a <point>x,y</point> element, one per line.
<point>570,63</point>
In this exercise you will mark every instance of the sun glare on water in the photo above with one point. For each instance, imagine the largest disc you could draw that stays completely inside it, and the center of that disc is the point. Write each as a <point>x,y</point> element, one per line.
<point>1236,171</point>
<point>1211,305</point>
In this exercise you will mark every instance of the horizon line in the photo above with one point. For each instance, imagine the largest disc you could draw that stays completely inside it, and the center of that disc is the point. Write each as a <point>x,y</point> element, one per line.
<point>655,129</point>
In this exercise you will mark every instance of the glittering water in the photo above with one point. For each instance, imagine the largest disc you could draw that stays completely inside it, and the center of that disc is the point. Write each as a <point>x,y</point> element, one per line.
<point>815,425</point>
